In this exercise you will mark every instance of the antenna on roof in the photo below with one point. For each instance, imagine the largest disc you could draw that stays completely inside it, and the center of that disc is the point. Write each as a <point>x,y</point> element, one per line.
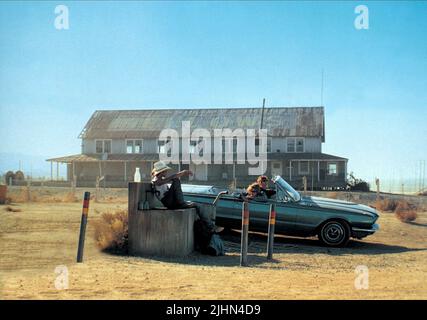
<point>321,89</point>
<point>262,112</point>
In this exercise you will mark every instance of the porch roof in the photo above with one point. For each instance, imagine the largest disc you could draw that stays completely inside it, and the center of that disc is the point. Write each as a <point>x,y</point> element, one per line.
<point>155,157</point>
<point>105,157</point>
<point>313,156</point>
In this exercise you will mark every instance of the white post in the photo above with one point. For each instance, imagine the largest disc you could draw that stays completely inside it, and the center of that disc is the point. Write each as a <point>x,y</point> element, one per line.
<point>126,178</point>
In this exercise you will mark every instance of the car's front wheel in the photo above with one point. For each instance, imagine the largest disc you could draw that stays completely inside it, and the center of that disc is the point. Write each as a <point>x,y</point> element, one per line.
<point>334,233</point>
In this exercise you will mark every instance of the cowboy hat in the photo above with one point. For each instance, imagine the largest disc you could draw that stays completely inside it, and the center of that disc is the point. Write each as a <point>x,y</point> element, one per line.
<point>159,167</point>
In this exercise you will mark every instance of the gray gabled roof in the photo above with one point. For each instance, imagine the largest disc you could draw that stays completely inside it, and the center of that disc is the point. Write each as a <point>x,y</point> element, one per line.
<point>119,124</point>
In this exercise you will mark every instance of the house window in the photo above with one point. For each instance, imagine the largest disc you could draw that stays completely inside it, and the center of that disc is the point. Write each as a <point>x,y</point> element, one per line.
<point>164,146</point>
<point>300,144</point>
<point>295,144</point>
<point>303,167</point>
<point>129,146</point>
<point>103,146</point>
<point>291,144</point>
<point>161,147</point>
<point>133,146</point>
<point>99,146</point>
<point>138,146</point>
<point>192,147</point>
<point>332,169</point>
<point>107,146</point>
<point>257,144</point>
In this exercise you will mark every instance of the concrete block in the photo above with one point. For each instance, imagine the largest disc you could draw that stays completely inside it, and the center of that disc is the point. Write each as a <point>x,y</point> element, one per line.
<point>162,232</point>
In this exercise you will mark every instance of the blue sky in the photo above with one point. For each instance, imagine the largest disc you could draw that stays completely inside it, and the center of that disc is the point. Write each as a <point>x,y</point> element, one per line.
<point>126,55</point>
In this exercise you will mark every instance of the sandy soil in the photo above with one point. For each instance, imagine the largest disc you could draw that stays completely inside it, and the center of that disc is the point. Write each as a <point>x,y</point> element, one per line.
<point>42,236</point>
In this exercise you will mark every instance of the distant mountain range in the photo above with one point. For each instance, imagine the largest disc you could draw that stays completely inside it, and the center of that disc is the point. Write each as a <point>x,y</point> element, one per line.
<point>35,166</point>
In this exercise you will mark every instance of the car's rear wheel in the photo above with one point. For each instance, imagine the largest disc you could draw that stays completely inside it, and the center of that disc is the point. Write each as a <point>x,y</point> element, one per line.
<point>334,233</point>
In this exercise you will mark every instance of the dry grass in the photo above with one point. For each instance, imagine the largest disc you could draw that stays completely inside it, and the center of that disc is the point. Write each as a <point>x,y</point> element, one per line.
<point>332,195</point>
<point>111,232</point>
<point>22,196</point>
<point>301,269</point>
<point>28,195</point>
<point>70,197</point>
<point>33,245</point>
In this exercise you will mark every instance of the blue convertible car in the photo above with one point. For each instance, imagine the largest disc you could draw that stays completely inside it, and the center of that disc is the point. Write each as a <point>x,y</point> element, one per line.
<point>333,221</point>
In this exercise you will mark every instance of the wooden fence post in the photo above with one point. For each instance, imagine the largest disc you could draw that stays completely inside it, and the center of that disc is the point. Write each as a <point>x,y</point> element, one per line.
<point>244,236</point>
<point>377,182</point>
<point>271,227</point>
<point>83,223</point>
<point>97,196</point>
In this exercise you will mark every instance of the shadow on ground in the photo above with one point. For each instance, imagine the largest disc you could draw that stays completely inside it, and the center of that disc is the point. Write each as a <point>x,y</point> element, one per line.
<point>290,245</point>
<point>418,224</point>
<point>257,249</point>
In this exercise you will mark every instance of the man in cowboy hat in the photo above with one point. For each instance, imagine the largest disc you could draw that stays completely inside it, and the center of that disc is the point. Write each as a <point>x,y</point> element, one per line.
<point>171,197</point>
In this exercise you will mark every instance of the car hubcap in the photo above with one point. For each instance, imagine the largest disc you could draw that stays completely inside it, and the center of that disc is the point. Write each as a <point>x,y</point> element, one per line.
<point>334,233</point>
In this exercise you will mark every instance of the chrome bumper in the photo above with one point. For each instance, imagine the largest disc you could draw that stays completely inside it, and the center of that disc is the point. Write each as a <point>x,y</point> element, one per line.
<point>375,227</point>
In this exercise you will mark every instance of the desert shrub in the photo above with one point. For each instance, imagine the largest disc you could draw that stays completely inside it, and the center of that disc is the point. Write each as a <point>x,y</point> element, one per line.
<point>386,205</point>
<point>405,211</point>
<point>111,231</point>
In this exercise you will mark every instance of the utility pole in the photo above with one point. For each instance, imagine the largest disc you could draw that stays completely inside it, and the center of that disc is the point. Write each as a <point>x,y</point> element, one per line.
<point>424,174</point>
<point>417,183</point>
<point>262,113</point>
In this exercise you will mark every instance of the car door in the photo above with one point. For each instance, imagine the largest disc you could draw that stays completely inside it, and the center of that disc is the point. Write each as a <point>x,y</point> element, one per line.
<point>309,217</point>
<point>259,213</point>
<point>286,213</point>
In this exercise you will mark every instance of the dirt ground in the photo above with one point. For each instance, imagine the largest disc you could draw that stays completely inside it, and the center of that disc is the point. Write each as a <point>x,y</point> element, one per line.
<point>42,236</point>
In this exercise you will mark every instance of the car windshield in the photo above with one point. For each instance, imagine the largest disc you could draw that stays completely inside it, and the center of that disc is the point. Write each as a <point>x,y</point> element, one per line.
<point>287,188</point>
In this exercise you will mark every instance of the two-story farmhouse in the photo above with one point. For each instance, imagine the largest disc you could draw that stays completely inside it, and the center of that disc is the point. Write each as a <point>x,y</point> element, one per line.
<point>114,143</point>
